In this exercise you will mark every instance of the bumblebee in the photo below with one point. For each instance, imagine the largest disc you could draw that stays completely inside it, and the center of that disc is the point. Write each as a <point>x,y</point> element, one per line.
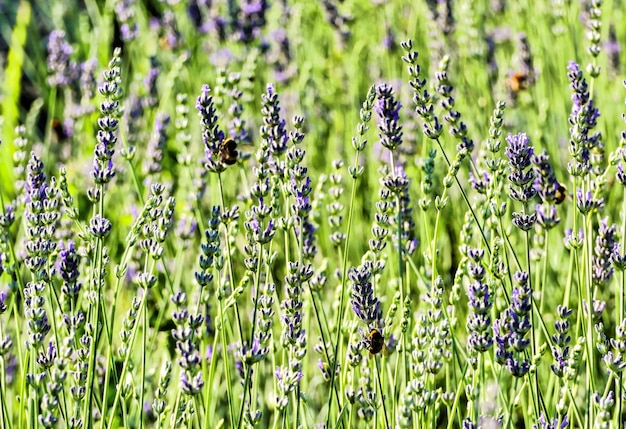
<point>375,342</point>
<point>56,125</point>
<point>560,194</point>
<point>228,151</point>
<point>517,82</point>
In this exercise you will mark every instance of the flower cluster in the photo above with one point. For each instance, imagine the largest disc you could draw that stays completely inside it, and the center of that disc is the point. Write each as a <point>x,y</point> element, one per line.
<point>603,253</point>
<point>480,302</point>
<point>549,190</point>
<point>62,70</point>
<point>387,109</point>
<point>185,335</point>
<point>365,304</point>
<point>156,145</point>
<point>41,213</point>
<point>294,334</point>
<point>458,128</point>
<point>582,121</point>
<point>103,170</point>
<point>594,24</point>
<point>421,97</point>
<point>212,136</point>
<point>273,131</point>
<point>125,12</point>
<point>249,19</point>
<point>512,326</point>
<point>561,340</point>
<point>522,177</point>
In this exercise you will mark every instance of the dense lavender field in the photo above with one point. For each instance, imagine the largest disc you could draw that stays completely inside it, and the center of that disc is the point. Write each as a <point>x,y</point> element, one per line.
<point>312,214</point>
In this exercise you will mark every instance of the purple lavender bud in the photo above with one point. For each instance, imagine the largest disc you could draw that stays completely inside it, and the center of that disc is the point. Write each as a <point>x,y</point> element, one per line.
<point>397,182</point>
<point>582,120</point>
<point>480,185</point>
<point>387,109</point>
<point>212,136</point>
<point>524,221</point>
<point>364,303</point>
<point>99,227</point>
<point>520,155</point>
<point>273,131</point>
<point>585,202</point>
<point>547,219</point>
<point>620,176</point>
<point>513,325</point>
<point>604,250</point>
<point>546,183</point>
<point>103,171</point>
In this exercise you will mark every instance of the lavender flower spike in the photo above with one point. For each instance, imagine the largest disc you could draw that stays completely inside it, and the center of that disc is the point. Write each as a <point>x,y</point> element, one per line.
<point>364,304</point>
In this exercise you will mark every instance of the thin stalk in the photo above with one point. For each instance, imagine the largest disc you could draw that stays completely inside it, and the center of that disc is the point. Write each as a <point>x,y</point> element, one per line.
<point>342,295</point>
<point>254,316</point>
<point>229,258</point>
<point>125,365</point>
<point>144,336</point>
<point>380,389</point>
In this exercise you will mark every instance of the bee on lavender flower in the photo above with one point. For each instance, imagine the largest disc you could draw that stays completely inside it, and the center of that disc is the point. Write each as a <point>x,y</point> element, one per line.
<point>375,342</point>
<point>560,194</point>
<point>517,82</point>
<point>228,151</point>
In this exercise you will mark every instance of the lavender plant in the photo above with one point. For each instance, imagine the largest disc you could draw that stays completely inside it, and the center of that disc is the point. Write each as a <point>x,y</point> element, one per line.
<point>262,264</point>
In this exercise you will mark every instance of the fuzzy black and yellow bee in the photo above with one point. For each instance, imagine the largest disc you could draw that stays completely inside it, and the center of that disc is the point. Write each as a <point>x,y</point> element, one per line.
<point>375,342</point>
<point>58,130</point>
<point>560,194</point>
<point>228,151</point>
<point>517,82</point>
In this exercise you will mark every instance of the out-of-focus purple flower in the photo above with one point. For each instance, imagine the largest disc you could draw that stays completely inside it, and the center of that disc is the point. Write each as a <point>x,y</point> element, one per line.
<point>156,145</point>
<point>62,71</point>
<point>124,10</point>
<point>150,83</point>
<point>525,58</point>
<point>613,49</point>
<point>338,20</point>
<point>597,308</point>
<point>555,423</point>
<point>547,217</point>
<point>88,80</point>
<point>221,57</point>
<point>249,20</point>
